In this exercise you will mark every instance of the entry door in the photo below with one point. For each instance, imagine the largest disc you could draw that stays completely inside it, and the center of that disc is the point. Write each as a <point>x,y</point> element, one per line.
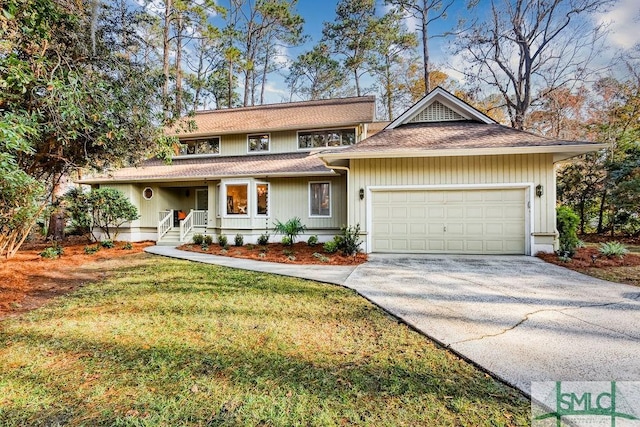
<point>202,200</point>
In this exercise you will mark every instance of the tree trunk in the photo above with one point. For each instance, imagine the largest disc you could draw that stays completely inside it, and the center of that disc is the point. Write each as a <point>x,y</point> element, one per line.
<point>357,81</point>
<point>264,73</point>
<point>165,58</point>
<point>230,92</point>
<point>179,30</point>
<point>601,213</point>
<point>56,225</point>
<point>425,47</point>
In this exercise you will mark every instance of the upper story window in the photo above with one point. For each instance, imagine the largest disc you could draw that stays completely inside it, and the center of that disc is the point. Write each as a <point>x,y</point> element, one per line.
<point>326,138</point>
<point>258,143</point>
<point>200,146</point>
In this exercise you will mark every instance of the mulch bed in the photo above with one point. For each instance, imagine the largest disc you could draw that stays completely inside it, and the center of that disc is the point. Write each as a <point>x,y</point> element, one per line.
<point>583,259</point>
<point>300,253</point>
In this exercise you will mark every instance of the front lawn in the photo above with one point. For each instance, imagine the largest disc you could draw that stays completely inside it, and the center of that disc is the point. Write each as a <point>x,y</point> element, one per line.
<point>166,343</point>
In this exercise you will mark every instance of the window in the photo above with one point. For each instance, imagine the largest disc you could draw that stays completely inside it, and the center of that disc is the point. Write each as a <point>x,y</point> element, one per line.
<point>262,199</point>
<point>258,142</point>
<point>236,203</point>
<point>319,199</point>
<point>326,138</point>
<point>147,193</point>
<point>200,146</point>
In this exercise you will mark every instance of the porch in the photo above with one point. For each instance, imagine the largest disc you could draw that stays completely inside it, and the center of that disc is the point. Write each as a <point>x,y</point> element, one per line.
<point>177,226</point>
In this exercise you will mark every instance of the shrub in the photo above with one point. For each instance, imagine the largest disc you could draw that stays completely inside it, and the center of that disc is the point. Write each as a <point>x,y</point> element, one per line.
<point>77,207</point>
<point>222,240</point>
<point>204,246</point>
<point>238,240</point>
<point>349,241</point>
<point>291,229</point>
<point>287,252</point>
<point>263,239</point>
<point>313,240</point>
<point>127,246</point>
<point>613,249</point>
<point>110,209</point>
<point>286,240</point>
<point>54,251</point>
<point>320,257</point>
<point>207,240</point>
<point>108,244</point>
<point>197,239</point>
<point>90,250</point>
<point>331,247</point>
<point>567,223</point>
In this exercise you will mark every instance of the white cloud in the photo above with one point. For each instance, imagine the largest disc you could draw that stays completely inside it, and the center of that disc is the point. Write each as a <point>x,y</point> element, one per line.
<point>623,19</point>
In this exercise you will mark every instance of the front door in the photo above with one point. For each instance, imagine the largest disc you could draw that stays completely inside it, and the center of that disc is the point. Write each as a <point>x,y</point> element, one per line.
<point>202,200</point>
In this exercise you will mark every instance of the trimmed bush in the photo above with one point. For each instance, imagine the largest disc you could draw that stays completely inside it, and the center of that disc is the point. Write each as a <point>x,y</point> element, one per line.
<point>567,223</point>
<point>613,249</point>
<point>238,240</point>
<point>331,247</point>
<point>197,239</point>
<point>108,244</point>
<point>263,239</point>
<point>313,240</point>
<point>207,240</point>
<point>222,240</point>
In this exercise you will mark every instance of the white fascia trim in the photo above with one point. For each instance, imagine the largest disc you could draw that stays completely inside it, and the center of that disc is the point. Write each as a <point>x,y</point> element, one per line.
<point>447,99</point>
<point>207,178</point>
<point>529,221</point>
<point>571,150</point>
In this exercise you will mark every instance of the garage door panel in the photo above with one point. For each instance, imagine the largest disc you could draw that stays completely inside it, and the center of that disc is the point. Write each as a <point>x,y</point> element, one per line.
<point>488,221</point>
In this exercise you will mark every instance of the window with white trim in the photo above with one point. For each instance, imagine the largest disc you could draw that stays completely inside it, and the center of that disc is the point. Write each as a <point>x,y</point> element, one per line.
<point>258,143</point>
<point>200,146</point>
<point>237,199</point>
<point>326,138</point>
<point>262,199</point>
<point>320,199</point>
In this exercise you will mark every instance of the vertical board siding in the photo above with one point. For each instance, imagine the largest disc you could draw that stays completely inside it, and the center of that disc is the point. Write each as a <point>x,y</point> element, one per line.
<point>281,142</point>
<point>532,168</point>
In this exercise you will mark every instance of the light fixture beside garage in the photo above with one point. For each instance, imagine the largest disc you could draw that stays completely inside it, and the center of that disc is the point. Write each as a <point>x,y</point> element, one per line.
<point>539,190</point>
<point>362,194</point>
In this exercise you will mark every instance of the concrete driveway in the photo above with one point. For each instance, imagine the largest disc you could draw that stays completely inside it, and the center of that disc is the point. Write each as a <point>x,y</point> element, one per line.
<point>518,317</point>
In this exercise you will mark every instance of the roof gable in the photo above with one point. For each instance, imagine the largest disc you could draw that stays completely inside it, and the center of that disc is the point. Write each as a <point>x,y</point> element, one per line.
<point>439,106</point>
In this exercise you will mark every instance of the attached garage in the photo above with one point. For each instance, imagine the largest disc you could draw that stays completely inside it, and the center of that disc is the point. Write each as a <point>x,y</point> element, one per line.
<point>464,221</point>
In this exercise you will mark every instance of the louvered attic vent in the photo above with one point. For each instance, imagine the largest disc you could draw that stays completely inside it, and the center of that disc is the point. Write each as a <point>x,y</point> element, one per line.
<point>436,112</point>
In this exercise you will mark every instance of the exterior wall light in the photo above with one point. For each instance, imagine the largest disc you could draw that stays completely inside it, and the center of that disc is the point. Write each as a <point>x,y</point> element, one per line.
<point>539,190</point>
<point>362,194</point>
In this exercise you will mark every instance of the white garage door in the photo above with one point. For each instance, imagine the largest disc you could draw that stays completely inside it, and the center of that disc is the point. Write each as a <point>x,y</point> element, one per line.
<point>449,221</point>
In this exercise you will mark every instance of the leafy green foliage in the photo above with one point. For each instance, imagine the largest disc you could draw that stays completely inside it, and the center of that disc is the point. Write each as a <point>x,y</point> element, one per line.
<point>349,240</point>
<point>108,244</point>
<point>263,239</point>
<point>55,251</point>
<point>286,240</point>
<point>291,229</point>
<point>127,246</point>
<point>238,240</point>
<point>313,240</point>
<point>110,209</point>
<point>78,210</point>
<point>320,257</point>
<point>613,249</point>
<point>197,239</point>
<point>207,239</point>
<point>90,250</point>
<point>567,224</point>
<point>331,247</point>
<point>222,240</point>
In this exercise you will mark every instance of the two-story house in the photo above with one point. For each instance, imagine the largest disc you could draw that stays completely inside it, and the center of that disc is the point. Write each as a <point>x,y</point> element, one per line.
<point>244,168</point>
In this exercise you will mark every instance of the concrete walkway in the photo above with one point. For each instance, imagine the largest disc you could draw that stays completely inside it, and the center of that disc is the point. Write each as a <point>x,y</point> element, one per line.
<point>518,317</point>
<point>334,274</point>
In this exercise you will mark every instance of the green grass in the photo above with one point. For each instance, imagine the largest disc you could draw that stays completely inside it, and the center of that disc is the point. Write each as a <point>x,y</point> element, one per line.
<point>172,343</point>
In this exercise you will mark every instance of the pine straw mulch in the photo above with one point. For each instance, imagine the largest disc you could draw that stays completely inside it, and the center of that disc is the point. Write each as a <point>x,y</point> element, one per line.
<point>27,280</point>
<point>299,253</point>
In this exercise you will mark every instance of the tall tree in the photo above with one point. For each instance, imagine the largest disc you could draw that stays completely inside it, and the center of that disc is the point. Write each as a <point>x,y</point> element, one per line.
<point>525,49</point>
<point>314,75</point>
<point>425,12</point>
<point>350,36</point>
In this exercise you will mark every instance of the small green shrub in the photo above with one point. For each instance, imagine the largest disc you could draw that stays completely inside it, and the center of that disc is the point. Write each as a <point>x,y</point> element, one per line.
<point>263,239</point>
<point>90,250</point>
<point>291,229</point>
<point>286,240</point>
<point>204,246</point>
<point>238,240</point>
<point>52,252</point>
<point>222,240</point>
<point>613,249</point>
<point>313,240</point>
<point>331,247</point>
<point>197,239</point>
<point>251,247</point>
<point>288,252</point>
<point>320,257</point>
<point>567,223</point>
<point>349,241</point>
<point>127,246</point>
<point>208,240</point>
<point>108,244</point>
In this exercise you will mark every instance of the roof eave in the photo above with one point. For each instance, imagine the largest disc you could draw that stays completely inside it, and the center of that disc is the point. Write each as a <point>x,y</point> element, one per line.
<point>561,152</point>
<point>301,127</point>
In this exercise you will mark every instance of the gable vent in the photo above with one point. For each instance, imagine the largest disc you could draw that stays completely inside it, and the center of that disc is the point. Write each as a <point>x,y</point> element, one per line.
<point>436,112</point>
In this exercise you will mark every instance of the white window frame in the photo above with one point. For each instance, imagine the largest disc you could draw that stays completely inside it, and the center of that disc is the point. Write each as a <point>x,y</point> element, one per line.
<point>219,207</point>
<point>196,156</point>
<point>255,195</point>
<point>311,215</point>
<point>258,151</point>
<point>223,199</point>
<point>355,132</point>
<point>145,190</point>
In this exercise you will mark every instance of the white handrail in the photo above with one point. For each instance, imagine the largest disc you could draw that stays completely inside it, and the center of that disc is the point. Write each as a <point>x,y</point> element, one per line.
<point>199,218</point>
<point>186,225</point>
<point>165,224</point>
